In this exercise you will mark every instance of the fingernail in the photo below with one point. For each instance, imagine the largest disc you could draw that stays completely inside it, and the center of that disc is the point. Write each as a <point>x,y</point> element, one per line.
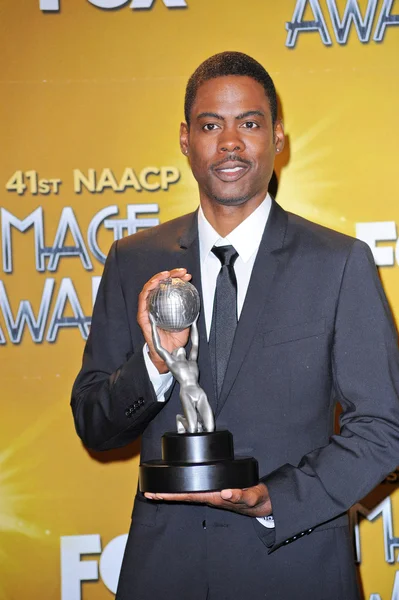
<point>158,497</point>
<point>164,272</point>
<point>149,496</point>
<point>227,494</point>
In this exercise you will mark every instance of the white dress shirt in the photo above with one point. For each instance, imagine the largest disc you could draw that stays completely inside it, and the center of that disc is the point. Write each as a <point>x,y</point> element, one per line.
<point>245,238</point>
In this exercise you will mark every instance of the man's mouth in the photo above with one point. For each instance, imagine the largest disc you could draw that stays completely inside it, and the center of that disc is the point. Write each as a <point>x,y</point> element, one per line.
<point>231,171</point>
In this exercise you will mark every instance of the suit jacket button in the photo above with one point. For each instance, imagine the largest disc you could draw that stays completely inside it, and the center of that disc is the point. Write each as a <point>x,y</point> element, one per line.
<point>129,411</point>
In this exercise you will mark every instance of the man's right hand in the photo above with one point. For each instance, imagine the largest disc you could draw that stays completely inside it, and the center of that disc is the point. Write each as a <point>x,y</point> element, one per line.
<point>169,340</point>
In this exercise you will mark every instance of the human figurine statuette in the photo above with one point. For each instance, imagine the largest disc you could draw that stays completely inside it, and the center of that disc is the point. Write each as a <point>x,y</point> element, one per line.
<point>196,457</point>
<point>198,415</point>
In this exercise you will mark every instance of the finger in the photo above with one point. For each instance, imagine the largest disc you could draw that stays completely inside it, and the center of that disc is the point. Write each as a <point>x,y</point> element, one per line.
<point>150,285</point>
<point>234,496</point>
<point>177,497</point>
<point>155,280</point>
<point>199,497</point>
<point>180,273</point>
<point>250,497</point>
<point>153,496</point>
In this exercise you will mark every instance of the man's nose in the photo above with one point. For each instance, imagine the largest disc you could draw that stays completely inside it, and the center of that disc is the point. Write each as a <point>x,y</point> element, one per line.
<point>230,141</point>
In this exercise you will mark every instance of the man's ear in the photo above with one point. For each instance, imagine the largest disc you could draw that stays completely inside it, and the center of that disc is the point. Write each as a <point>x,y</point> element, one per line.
<point>184,138</point>
<point>279,137</point>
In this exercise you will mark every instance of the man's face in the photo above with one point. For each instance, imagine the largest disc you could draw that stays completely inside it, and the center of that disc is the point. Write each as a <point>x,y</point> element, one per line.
<point>231,143</point>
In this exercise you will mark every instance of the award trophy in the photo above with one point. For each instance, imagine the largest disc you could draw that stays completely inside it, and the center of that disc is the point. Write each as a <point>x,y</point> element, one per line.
<point>195,458</point>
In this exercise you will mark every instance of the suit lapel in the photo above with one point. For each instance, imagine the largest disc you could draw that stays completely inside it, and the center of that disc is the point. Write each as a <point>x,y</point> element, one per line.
<point>260,284</point>
<point>187,255</point>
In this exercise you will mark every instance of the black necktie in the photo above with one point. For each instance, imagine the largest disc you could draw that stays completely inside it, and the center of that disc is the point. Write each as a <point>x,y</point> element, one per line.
<point>224,318</point>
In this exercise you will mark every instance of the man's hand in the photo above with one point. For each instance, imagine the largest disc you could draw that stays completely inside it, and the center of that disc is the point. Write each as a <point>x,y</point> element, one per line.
<point>253,501</point>
<point>169,340</point>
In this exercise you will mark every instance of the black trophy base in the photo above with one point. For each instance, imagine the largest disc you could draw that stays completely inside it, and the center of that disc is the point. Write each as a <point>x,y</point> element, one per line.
<point>197,462</point>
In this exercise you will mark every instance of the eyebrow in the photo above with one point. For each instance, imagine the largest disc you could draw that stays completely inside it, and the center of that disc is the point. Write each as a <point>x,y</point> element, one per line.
<point>210,114</point>
<point>249,113</point>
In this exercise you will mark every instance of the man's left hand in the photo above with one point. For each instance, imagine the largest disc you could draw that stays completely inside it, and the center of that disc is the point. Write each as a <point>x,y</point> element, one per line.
<point>253,501</point>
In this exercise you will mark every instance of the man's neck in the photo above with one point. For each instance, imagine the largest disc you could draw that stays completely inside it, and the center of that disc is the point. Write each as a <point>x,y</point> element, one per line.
<point>224,219</point>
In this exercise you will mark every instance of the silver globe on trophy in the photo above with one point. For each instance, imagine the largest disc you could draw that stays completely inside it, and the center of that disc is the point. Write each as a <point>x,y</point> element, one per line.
<point>195,458</point>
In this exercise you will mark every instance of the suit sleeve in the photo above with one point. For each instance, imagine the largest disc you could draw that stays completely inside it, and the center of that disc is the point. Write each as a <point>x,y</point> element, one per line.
<point>365,366</point>
<point>113,399</point>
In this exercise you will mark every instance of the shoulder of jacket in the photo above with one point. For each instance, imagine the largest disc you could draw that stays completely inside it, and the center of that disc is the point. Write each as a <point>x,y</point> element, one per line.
<point>318,235</point>
<point>156,237</point>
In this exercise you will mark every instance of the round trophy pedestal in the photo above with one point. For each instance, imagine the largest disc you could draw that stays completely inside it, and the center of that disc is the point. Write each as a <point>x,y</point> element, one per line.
<point>197,462</point>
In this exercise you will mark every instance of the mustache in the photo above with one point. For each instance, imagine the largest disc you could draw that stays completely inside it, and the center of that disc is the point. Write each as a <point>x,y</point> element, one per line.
<point>231,158</point>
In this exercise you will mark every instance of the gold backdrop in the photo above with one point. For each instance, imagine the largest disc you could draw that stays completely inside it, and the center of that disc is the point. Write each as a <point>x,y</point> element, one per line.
<point>92,97</point>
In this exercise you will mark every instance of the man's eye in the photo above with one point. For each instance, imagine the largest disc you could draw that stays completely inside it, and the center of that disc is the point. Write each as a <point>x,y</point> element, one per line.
<point>250,125</point>
<point>210,127</point>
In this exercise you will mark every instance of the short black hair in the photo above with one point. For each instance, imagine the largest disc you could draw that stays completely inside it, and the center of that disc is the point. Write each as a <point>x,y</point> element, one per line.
<point>229,63</point>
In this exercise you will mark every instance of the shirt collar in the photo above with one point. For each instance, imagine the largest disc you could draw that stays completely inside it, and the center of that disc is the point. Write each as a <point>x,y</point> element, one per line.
<point>245,237</point>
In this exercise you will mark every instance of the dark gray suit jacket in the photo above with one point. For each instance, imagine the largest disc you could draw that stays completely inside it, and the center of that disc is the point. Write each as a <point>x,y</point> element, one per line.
<point>315,330</point>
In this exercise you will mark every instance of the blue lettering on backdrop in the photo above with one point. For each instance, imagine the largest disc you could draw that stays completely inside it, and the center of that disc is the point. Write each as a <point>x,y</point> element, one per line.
<point>341,27</point>
<point>66,295</point>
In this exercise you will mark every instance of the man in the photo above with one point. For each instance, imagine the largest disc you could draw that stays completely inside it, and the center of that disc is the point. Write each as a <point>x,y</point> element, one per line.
<point>314,329</point>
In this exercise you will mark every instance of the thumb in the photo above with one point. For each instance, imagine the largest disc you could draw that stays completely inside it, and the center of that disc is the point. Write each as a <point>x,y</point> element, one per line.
<point>232,495</point>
